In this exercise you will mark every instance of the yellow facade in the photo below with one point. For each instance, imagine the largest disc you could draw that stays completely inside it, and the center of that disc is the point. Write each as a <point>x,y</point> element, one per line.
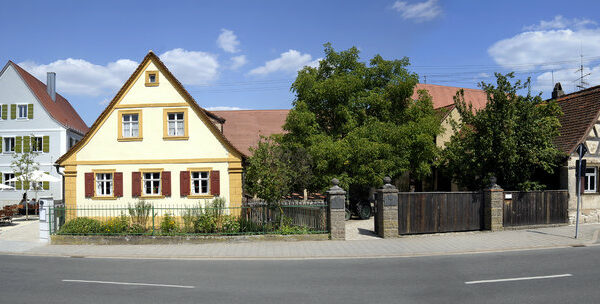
<point>104,147</point>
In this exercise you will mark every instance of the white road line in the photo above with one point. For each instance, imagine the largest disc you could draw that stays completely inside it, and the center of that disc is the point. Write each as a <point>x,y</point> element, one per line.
<point>521,279</point>
<point>127,283</point>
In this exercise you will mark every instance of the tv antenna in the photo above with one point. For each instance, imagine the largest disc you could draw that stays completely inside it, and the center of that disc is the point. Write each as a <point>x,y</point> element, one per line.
<point>582,83</point>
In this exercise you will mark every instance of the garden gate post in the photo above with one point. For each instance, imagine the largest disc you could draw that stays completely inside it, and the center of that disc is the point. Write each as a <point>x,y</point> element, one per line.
<point>387,210</point>
<point>336,199</point>
<point>493,206</point>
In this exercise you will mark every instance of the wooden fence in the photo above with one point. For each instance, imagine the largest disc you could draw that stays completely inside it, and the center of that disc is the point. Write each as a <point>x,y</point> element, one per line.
<point>535,208</point>
<point>433,212</point>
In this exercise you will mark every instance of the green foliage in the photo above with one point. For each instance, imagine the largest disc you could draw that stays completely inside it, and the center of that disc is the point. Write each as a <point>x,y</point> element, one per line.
<point>23,164</point>
<point>116,225</point>
<point>358,122</point>
<point>81,225</point>
<point>168,224</point>
<point>512,138</point>
<point>140,213</point>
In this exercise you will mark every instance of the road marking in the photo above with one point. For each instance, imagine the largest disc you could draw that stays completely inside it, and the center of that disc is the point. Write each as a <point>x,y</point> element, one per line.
<point>128,283</point>
<point>521,279</point>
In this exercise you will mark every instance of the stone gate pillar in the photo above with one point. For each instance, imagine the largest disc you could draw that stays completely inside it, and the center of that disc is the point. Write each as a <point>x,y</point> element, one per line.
<point>387,210</point>
<point>336,198</point>
<point>493,214</point>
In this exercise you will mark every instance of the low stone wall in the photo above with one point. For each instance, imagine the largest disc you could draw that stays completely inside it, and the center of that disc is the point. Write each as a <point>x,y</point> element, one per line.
<point>184,239</point>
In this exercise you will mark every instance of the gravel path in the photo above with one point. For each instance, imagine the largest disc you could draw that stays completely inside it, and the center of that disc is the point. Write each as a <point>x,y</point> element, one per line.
<point>360,229</point>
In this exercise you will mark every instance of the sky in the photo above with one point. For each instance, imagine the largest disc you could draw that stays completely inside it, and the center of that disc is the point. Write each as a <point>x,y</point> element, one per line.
<point>246,54</point>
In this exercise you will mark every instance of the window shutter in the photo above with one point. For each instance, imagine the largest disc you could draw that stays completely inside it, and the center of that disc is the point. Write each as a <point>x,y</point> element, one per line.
<point>26,185</point>
<point>215,183</point>
<point>4,112</point>
<point>46,185</point>
<point>136,184</point>
<point>46,144</point>
<point>118,185</point>
<point>165,179</point>
<point>30,111</point>
<point>13,111</point>
<point>89,184</point>
<point>26,143</point>
<point>184,183</point>
<point>18,182</point>
<point>1,144</point>
<point>18,144</point>
<point>1,178</point>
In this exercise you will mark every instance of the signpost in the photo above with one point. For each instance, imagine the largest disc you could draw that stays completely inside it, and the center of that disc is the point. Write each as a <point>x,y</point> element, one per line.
<point>579,172</point>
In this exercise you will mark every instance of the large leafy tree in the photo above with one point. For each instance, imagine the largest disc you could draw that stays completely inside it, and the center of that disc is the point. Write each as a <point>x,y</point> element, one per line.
<point>512,138</point>
<point>358,122</point>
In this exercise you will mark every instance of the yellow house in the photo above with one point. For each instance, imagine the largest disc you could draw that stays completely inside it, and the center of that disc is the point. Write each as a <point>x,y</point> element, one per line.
<point>152,142</point>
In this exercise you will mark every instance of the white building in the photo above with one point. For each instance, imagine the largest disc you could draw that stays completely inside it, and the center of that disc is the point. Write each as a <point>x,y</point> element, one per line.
<point>33,117</point>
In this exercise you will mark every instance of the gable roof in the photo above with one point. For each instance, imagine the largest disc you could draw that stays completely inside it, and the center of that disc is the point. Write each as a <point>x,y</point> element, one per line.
<point>151,57</point>
<point>443,96</point>
<point>61,110</point>
<point>580,112</point>
<point>245,127</point>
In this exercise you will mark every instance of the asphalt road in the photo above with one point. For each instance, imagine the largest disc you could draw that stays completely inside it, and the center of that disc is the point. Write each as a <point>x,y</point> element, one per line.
<point>574,277</point>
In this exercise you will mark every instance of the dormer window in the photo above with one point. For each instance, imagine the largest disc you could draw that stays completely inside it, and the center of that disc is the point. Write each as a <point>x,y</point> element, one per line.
<point>151,78</point>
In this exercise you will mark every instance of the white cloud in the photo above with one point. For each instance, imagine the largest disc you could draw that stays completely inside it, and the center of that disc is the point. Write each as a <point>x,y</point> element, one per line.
<point>191,67</point>
<point>224,108</point>
<point>83,78</point>
<point>559,22</point>
<point>80,77</point>
<point>238,61</point>
<point>228,41</point>
<point>290,61</point>
<point>419,12</point>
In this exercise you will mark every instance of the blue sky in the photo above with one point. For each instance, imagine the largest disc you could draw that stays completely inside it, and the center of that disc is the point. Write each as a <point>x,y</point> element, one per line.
<point>245,54</point>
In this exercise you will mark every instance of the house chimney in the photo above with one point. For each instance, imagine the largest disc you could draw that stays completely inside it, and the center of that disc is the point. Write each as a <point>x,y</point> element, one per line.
<point>558,91</point>
<point>51,85</point>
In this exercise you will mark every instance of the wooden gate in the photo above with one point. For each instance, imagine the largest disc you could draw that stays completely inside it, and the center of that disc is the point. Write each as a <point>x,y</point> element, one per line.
<point>535,208</point>
<point>433,212</point>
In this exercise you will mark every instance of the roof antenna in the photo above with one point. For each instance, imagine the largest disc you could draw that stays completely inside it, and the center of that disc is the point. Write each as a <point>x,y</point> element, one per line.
<point>582,83</point>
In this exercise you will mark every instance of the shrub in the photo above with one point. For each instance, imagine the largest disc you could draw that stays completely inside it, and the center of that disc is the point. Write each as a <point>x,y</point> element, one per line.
<point>140,213</point>
<point>168,224</point>
<point>190,217</point>
<point>81,225</point>
<point>115,225</point>
<point>205,223</point>
<point>136,229</point>
<point>230,224</point>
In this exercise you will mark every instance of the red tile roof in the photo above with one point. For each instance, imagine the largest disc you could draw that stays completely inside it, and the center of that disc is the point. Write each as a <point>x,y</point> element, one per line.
<point>61,110</point>
<point>243,128</point>
<point>580,113</point>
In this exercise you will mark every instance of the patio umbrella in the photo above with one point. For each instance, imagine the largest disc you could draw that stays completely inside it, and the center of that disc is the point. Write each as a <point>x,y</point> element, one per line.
<point>36,176</point>
<point>6,187</point>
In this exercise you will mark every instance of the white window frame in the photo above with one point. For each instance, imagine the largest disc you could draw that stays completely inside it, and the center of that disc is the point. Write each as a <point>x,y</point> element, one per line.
<point>154,182</point>
<point>104,184</point>
<point>4,148</point>
<point>19,111</point>
<point>130,123</point>
<point>199,180</point>
<point>177,123</point>
<point>36,139</point>
<point>5,178</point>
<point>591,180</point>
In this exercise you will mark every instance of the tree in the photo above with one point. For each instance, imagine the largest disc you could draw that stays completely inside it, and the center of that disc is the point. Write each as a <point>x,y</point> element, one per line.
<point>23,165</point>
<point>359,123</point>
<point>512,138</point>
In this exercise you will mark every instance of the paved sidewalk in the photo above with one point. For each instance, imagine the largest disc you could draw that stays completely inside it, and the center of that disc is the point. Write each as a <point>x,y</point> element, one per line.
<point>438,244</point>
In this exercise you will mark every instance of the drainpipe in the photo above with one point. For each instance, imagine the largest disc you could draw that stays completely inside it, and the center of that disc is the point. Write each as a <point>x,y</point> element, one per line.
<point>61,170</point>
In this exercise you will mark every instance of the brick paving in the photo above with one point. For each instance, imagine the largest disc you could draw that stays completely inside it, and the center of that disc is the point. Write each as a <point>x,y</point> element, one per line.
<point>436,244</point>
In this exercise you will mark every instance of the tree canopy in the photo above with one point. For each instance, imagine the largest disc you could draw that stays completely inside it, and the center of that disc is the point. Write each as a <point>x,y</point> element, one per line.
<point>512,138</point>
<point>359,123</point>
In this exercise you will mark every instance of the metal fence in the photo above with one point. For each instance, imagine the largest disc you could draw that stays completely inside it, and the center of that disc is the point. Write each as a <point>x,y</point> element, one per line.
<point>254,217</point>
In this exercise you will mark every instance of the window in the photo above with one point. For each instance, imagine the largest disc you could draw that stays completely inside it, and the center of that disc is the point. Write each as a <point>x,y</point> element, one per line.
<point>151,78</point>
<point>9,145</point>
<point>104,184</point>
<point>8,176</point>
<point>175,124</point>
<point>4,111</point>
<point>131,127</point>
<point>36,185</point>
<point>37,144</point>
<point>200,182</point>
<point>151,183</point>
<point>22,111</point>
<point>590,179</point>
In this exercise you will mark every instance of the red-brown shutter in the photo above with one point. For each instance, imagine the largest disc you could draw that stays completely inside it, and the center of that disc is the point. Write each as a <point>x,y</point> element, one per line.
<point>136,184</point>
<point>166,183</point>
<point>89,184</point>
<point>184,183</point>
<point>118,184</point>
<point>215,183</point>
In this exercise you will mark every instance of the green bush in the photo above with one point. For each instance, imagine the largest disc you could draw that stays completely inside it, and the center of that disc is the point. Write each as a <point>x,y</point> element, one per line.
<point>140,213</point>
<point>116,225</point>
<point>205,223</point>
<point>81,225</point>
<point>168,224</point>
<point>230,224</point>
<point>136,229</point>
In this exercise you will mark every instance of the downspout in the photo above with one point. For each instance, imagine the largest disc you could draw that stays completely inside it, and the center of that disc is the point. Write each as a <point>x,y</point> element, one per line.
<point>61,170</point>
